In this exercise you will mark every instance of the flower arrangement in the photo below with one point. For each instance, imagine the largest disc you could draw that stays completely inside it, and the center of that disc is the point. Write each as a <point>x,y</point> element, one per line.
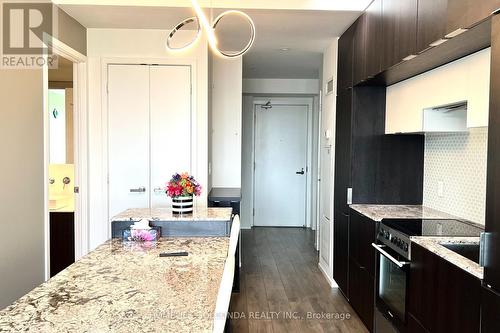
<point>183,185</point>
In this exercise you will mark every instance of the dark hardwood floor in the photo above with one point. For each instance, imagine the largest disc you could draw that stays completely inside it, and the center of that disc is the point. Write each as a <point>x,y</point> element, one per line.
<point>281,286</point>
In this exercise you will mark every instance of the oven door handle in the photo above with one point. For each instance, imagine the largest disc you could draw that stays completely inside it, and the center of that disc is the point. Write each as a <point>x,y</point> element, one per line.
<point>379,248</point>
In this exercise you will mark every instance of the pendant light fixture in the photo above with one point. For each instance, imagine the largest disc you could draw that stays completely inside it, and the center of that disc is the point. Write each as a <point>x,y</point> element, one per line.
<point>203,23</point>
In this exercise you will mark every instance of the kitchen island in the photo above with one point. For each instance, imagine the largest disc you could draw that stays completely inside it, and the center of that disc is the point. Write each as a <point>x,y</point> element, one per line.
<point>203,222</point>
<point>127,287</point>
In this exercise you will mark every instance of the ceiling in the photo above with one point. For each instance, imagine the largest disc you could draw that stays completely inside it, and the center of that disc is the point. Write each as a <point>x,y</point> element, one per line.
<point>306,33</point>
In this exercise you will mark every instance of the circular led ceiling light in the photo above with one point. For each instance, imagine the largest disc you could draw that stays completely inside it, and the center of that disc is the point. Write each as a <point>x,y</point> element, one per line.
<point>202,23</point>
<point>171,40</point>
<point>252,33</point>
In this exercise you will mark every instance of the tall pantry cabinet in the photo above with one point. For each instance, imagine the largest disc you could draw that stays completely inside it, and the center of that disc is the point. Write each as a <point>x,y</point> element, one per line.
<point>149,133</point>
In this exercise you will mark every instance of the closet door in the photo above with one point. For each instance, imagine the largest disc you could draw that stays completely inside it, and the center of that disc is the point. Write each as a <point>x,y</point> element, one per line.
<point>128,137</point>
<point>170,98</point>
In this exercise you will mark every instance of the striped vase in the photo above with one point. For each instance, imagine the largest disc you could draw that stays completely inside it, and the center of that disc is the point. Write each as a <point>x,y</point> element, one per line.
<point>182,205</point>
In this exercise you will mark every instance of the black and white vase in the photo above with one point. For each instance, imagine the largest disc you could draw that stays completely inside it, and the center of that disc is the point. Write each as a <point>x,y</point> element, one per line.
<point>182,205</point>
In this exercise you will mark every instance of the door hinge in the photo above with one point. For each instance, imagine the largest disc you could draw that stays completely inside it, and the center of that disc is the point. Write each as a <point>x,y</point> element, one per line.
<point>253,212</point>
<point>76,189</point>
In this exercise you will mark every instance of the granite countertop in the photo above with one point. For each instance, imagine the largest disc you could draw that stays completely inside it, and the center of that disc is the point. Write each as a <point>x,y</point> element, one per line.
<point>433,245</point>
<point>127,287</point>
<point>165,214</point>
<point>380,212</point>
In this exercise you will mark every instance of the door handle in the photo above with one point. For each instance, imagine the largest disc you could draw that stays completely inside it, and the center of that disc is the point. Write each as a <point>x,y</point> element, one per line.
<point>138,190</point>
<point>400,264</point>
<point>301,172</point>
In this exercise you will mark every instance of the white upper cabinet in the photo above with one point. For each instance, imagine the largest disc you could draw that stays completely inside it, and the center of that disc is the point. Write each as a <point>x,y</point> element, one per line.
<point>464,80</point>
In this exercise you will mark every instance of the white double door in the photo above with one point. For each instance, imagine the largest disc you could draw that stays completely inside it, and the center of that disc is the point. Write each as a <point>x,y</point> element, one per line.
<point>149,133</point>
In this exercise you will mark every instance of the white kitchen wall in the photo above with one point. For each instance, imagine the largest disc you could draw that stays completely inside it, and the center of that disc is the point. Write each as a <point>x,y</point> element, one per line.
<point>23,183</point>
<point>458,161</point>
<point>131,45</point>
<point>225,121</point>
<point>327,156</point>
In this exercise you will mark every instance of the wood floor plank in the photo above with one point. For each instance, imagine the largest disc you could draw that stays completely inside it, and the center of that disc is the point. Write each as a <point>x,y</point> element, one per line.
<point>280,275</point>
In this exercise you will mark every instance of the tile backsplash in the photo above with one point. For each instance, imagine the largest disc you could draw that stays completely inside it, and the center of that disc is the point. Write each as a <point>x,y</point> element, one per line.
<point>456,163</point>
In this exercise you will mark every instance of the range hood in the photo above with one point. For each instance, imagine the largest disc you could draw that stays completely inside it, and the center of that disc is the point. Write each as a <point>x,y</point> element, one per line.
<point>446,118</point>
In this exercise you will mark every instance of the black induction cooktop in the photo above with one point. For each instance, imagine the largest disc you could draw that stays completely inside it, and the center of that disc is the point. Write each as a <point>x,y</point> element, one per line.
<point>425,227</point>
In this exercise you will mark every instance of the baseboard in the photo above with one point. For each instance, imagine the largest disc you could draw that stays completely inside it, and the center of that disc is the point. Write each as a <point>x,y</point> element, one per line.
<point>331,281</point>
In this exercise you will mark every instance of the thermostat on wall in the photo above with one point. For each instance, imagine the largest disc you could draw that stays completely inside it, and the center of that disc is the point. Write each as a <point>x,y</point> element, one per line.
<point>328,134</point>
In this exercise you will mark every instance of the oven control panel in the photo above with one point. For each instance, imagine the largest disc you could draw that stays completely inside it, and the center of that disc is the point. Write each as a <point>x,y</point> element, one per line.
<point>395,240</point>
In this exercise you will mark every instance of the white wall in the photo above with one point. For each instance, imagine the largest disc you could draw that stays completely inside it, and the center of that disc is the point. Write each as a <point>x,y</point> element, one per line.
<point>136,46</point>
<point>225,121</point>
<point>281,86</point>
<point>327,166</point>
<point>22,183</point>
<point>247,156</point>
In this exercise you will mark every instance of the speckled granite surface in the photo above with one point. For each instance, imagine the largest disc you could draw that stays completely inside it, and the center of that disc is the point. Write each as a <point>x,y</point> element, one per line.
<point>127,288</point>
<point>433,245</point>
<point>165,214</point>
<point>380,212</point>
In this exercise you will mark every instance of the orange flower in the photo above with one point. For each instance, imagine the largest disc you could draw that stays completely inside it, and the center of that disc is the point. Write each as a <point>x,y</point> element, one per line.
<point>184,175</point>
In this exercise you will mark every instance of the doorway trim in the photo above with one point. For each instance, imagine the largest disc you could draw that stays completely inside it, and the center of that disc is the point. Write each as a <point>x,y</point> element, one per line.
<point>288,100</point>
<point>80,149</point>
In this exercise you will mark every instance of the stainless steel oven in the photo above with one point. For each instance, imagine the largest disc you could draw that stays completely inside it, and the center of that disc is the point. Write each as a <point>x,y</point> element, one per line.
<point>393,264</point>
<point>392,287</point>
<point>392,277</point>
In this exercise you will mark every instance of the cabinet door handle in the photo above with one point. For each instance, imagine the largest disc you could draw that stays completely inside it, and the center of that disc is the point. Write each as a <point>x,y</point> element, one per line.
<point>138,190</point>
<point>158,190</point>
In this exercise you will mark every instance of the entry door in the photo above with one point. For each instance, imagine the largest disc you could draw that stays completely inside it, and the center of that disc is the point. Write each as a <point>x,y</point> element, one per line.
<point>170,127</point>
<point>280,164</point>
<point>128,137</point>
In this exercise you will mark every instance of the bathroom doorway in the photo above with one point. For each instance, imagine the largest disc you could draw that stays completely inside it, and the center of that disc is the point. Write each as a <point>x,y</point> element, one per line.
<point>61,167</point>
<point>65,142</point>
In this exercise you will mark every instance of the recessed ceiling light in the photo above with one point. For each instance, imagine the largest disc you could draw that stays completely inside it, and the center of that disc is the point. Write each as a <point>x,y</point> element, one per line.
<point>285,49</point>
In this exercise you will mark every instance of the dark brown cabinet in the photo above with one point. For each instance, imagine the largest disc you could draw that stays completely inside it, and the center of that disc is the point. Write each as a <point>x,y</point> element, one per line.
<point>341,252</point>
<point>431,22</point>
<point>62,241</point>
<point>443,297</point>
<point>399,30</point>
<point>343,159</point>
<point>414,326</point>
<point>374,39</point>
<point>345,60</point>
<point>359,54</point>
<point>362,232</point>
<point>466,13</point>
<point>362,291</point>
